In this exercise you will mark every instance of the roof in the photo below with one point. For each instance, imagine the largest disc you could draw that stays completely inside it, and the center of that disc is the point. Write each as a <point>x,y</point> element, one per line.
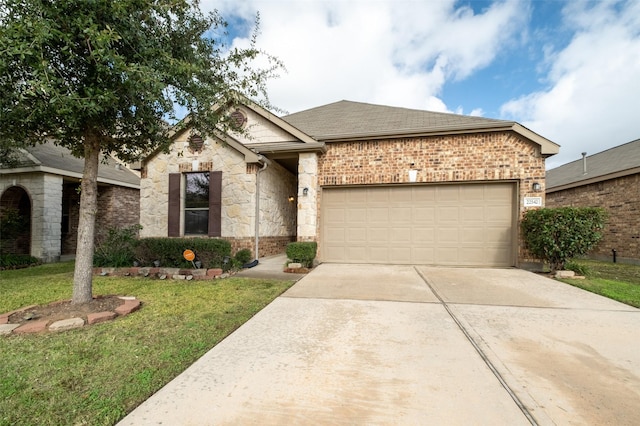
<point>50,158</point>
<point>347,120</point>
<point>619,161</point>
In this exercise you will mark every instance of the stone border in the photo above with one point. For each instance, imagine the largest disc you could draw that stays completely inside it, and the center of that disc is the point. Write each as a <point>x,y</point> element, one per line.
<point>162,273</point>
<point>130,304</point>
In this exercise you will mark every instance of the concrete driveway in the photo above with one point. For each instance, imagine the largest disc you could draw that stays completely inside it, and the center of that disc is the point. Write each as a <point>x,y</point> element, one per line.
<point>369,344</point>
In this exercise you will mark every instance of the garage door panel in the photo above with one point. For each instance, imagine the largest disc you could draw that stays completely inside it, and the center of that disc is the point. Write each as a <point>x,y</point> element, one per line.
<point>400,236</point>
<point>447,214</point>
<point>424,214</point>
<point>378,235</point>
<point>444,224</point>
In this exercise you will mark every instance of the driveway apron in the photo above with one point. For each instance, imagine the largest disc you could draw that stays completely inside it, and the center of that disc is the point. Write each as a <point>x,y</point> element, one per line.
<point>377,344</point>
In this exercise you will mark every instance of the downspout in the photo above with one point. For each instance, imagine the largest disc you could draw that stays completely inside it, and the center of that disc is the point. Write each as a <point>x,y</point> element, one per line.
<point>265,163</point>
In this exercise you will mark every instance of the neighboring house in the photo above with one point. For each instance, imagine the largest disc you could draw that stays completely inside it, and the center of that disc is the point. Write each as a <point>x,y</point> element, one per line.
<point>611,180</point>
<point>44,189</point>
<point>368,183</point>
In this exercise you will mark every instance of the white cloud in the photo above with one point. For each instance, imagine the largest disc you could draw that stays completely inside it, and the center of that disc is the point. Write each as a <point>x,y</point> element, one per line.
<point>388,52</point>
<point>593,93</point>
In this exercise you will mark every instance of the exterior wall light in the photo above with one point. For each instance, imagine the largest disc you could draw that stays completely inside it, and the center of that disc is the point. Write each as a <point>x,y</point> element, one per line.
<point>305,192</point>
<point>536,187</point>
<point>291,198</point>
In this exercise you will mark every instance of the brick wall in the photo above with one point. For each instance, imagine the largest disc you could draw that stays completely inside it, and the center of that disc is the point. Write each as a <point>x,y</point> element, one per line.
<point>269,246</point>
<point>621,199</point>
<point>498,156</point>
<point>117,207</point>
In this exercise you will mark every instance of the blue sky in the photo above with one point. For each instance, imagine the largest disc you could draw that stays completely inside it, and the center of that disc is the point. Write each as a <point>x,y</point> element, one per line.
<point>568,70</point>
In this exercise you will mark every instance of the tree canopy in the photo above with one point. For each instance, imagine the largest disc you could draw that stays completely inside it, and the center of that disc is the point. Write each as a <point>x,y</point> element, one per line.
<point>107,75</point>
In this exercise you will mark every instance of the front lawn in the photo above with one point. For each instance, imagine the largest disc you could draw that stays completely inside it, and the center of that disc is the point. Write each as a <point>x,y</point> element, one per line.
<point>96,375</point>
<point>616,281</point>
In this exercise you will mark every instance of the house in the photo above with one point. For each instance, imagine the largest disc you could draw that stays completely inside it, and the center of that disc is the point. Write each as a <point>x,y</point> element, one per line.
<point>368,183</point>
<point>609,179</point>
<point>44,190</point>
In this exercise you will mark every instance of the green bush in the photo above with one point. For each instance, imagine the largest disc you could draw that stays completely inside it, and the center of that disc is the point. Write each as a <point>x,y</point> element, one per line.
<point>243,256</point>
<point>556,235</point>
<point>302,252</point>
<point>15,261</point>
<point>168,251</point>
<point>117,247</point>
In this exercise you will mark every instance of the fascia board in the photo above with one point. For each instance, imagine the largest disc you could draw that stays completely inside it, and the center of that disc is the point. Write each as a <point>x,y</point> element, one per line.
<point>66,173</point>
<point>594,179</point>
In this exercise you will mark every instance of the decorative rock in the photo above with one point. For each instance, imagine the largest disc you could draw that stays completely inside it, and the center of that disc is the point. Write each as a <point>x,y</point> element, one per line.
<point>127,297</point>
<point>179,277</point>
<point>32,327</point>
<point>8,328</point>
<point>189,277</point>
<point>565,274</point>
<point>127,307</point>
<point>99,317</point>
<point>163,277</point>
<point>295,265</point>
<point>66,324</point>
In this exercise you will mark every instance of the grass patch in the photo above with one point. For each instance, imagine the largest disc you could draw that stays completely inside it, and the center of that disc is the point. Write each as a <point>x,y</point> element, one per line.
<point>97,374</point>
<point>617,281</point>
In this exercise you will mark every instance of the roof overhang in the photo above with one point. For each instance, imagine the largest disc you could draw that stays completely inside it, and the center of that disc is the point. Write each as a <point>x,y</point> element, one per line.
<point>547,147</point>
<point>64,173</point>
<point>595,179</point>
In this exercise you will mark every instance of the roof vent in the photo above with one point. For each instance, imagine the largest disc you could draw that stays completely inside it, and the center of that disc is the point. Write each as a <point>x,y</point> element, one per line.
<point>238,119</point>
<point>584,163</point>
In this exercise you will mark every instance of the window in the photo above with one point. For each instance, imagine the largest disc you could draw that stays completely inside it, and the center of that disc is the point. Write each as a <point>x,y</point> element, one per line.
<point>196,204</point>
<point>198,209</point>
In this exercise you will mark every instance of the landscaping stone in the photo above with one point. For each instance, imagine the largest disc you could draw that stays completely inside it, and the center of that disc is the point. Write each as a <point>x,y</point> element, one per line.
<point>179,277</point>
<point>127,307</point>
<point>214,272</point>
<point>100,317</point>
<point>127,297</point>
<point>66,324</point>
<point>294,265</point>
<point>32,327</point>
<point>565,274</point>
<point>8,328</point>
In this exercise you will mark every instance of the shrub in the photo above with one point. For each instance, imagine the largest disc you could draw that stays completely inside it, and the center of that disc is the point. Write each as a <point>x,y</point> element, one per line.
<point>117,247</point>
<point>302,252</point>
<point>168,251</point>
<point>556,235</point>
<point>15,261</point>
<point>243,256</point>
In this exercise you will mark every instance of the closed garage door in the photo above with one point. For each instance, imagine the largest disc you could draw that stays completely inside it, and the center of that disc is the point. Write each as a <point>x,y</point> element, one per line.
<point>457,224</point>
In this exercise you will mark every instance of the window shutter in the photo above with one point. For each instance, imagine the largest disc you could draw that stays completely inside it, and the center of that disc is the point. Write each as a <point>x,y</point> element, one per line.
<point>174,204</point>
<point>215,204</point>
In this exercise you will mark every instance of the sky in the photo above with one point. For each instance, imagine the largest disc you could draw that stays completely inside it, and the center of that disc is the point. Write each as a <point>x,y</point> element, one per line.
<point>568,70</point>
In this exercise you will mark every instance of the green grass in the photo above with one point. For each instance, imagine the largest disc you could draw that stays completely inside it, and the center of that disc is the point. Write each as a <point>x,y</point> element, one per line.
<point>97,374</point>
<point>616,281</point>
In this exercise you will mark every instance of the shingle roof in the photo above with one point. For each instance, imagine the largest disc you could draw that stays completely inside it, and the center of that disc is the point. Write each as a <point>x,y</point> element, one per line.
<point>56,158</point>
<point>347,119</point>
<point>619,161</point>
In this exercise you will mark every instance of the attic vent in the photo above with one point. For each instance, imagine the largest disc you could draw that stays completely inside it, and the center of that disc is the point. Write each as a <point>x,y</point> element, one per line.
<point>196,143</point>
<point>238,119</point>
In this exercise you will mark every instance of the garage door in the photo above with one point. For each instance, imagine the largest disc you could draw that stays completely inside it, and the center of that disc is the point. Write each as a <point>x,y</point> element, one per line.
<point>457,224</point>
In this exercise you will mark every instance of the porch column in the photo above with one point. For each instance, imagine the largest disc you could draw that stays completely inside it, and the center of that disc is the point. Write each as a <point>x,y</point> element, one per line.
<point>307,196</point>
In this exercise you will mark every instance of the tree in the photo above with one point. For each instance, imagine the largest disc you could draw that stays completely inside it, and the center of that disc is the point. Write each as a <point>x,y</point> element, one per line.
<point>102,76</point>
<point>556,235</point>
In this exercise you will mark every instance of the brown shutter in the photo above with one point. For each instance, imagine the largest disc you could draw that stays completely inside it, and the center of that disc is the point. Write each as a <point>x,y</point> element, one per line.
<point>174,204</point>
<point>215,204</point>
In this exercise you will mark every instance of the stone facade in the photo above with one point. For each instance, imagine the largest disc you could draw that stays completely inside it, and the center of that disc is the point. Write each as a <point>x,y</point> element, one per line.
<point>54,230</point>
<point>485,157</point>
<point>45,193</point>
<point>277,214</point>
<point>621,199</point>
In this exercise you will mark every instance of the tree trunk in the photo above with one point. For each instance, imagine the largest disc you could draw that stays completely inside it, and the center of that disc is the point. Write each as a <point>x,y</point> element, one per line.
<point>83,273</point>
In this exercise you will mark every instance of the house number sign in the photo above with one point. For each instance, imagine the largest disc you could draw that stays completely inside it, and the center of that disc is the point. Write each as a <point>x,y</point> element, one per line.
<point>533,201</point>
